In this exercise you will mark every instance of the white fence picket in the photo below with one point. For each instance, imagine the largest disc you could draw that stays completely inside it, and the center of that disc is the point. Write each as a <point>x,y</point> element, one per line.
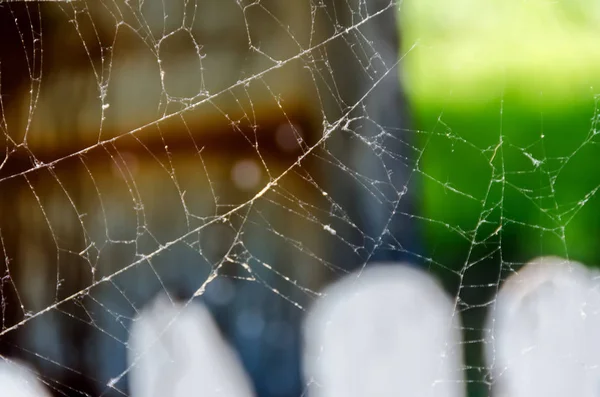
<point>388,331</point>
<point>544,335</point>
<point>17,380</point>
<point>177,351</point>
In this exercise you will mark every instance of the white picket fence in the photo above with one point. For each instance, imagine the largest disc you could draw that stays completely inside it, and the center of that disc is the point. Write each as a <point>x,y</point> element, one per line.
<point>385,331</point>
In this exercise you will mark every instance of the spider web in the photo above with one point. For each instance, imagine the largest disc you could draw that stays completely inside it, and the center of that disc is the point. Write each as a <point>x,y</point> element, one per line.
<point>246,153</point>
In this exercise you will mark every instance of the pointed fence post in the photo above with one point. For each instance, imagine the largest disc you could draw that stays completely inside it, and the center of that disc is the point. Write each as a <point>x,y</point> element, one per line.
<point>17,380</point>
<point>177,350</point>
<point>387,331</point>
<point>544,332</point>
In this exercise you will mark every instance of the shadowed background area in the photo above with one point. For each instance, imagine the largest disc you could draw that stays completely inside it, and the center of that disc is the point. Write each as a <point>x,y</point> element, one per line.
<point>225,150</point>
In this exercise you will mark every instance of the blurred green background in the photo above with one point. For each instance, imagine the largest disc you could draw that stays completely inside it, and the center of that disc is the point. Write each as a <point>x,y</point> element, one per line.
<point>503,93</point>
<point>504,99</point>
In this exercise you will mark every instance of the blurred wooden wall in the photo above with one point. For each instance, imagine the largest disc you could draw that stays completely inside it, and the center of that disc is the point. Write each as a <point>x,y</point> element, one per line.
<point>121,151</point>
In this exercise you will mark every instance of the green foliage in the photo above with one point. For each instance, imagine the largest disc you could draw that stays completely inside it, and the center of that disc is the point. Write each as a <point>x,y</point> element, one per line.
<point>504,100</point>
